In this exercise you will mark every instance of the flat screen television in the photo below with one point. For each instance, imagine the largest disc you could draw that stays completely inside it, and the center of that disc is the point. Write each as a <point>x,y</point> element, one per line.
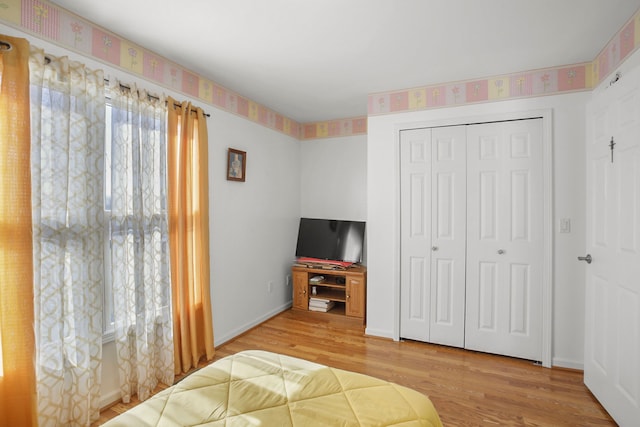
<point>330,239</point>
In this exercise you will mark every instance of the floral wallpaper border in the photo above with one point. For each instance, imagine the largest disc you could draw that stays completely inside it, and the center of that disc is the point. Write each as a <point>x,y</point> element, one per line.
<point>335,128</point>
<point>50,22</point>
<point>518,85</point>
<point>548,81</point>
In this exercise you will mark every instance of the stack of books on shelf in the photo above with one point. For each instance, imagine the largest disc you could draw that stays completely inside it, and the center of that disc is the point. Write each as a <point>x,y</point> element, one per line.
<point>320,304</point>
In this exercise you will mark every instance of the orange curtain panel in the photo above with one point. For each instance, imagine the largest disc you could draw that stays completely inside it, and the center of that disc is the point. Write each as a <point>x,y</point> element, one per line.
<point>189,234</point>
<point>17,337</point>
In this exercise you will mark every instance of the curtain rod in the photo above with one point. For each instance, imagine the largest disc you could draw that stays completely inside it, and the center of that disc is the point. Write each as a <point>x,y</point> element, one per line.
<point>47,60</point>
<point>175,104</point>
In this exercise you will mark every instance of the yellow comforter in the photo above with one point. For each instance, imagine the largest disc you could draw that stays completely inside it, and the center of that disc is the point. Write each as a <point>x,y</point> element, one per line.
<point>258,388</point>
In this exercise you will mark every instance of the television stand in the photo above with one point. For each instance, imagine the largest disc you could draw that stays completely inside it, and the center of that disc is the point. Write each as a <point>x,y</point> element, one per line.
<point>342,288</point>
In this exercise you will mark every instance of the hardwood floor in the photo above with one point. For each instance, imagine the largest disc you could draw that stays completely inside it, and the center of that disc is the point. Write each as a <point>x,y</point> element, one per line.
<point>467,388</point>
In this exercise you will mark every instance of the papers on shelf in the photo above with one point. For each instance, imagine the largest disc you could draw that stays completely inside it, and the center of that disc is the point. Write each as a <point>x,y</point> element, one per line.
<point>320,304</point>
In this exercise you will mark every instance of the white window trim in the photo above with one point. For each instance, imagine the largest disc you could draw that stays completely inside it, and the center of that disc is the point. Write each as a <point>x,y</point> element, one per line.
<point>108,328</point>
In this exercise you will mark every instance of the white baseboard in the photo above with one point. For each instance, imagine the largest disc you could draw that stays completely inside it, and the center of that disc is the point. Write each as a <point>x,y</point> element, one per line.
<point>565,363</point>
<point>378,333</point>
<point>219,340</point>
<point>109,399</point>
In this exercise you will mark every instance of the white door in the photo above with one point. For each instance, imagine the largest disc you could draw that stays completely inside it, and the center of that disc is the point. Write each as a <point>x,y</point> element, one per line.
<point>433,223</point>
<point>415,233</point>
<point>505,236</point>
<point>612,311</point>
<point>448,234</point>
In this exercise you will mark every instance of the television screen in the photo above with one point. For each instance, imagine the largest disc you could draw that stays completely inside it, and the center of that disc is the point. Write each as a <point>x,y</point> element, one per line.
<point>330,239</point>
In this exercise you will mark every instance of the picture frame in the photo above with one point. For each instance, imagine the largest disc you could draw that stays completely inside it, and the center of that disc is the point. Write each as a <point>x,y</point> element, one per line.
<point>236,165</point>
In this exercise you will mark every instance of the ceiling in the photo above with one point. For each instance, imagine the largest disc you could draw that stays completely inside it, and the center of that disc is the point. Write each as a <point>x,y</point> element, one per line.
<point>316,60</point>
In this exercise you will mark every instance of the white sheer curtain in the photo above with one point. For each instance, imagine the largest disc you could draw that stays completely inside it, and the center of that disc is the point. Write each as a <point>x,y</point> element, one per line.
<point>140,266</point>
<point>67,138</point>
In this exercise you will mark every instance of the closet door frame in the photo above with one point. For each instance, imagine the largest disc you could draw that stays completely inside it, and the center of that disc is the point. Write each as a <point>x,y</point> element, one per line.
<point>547,159</point>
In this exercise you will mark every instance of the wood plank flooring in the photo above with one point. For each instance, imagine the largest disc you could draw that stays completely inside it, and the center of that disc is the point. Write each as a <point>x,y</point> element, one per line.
<point>467,388</point>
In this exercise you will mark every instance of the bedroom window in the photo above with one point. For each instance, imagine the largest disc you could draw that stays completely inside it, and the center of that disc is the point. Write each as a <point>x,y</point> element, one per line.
<point>137,287</point>
<point>108,317</point>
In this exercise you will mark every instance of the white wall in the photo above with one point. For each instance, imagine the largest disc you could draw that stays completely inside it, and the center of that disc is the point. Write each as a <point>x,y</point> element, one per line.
<point>253,225</point>
<point>568,202</point>
<point>333,178</point>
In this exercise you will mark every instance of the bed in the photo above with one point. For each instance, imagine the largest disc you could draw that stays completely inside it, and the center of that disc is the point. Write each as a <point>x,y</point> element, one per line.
<point>259,388</point>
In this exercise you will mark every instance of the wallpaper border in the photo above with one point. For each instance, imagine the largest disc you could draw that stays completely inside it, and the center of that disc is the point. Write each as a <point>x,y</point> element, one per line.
<point>542,82</point>
<point>55,24</point>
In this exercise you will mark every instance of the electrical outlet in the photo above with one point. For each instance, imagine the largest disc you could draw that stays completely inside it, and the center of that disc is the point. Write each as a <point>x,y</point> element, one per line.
<point>270,286</point>
<point>565,225</point>
<point>288,280</point>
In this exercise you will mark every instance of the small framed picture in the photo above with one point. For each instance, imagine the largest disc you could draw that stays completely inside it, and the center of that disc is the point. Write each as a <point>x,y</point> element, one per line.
<point>236,165</point>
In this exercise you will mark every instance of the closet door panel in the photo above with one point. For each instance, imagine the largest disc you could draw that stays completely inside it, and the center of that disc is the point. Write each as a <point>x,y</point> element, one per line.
<point>505,238</point>
<point>487,297</point>
<point>448,206</point>
<point>519,294</point>
<point>415,233</point>
<point>488,195</point>
<point>444,294</point>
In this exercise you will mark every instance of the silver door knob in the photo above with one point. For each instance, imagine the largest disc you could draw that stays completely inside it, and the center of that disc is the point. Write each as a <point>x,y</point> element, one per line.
<point>587,258</point>
<point>500,251</point>
<point>434,248</point>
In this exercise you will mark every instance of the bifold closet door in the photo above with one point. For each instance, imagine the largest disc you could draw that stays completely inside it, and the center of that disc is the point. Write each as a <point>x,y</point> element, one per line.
<point>415,233</point>
<point>505,238</point>
<point>433,232</point>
